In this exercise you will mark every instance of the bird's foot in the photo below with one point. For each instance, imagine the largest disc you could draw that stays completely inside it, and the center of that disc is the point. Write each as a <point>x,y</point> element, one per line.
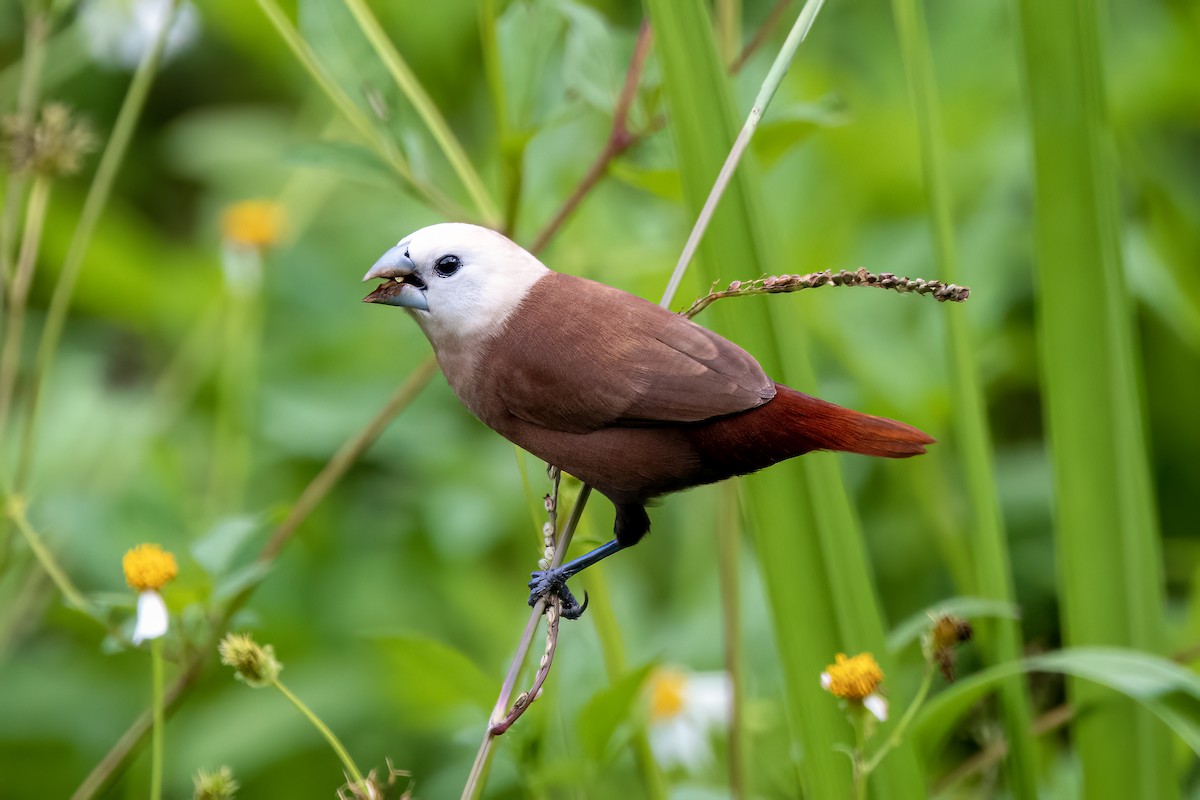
<point>549,582</point>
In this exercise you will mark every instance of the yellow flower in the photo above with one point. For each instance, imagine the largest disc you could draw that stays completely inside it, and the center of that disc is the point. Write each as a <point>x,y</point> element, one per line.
<point>253,223</point>
<point>667,694</point>
<point>149,567</point>
<point>855,680</point>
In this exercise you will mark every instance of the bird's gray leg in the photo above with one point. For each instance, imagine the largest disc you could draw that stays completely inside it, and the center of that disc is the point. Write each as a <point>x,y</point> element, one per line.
<point>554,581</point>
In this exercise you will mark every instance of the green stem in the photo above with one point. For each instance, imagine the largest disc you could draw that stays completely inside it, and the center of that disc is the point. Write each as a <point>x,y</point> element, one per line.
<point>16,512</point>
<point>804,21</point>
<point>382,145</point>
<point>334,742</point>
<point>901,728</point>
<point>412,89</point>
<point>236,380</point>
<point>156,741</point>
<point>37,25</point>
<point>117,758</point>
<point>612,651</point>
<point>93,206</point>
<point>483,756</point>
<point>31,237</point>
<point>860,749</point>
<point>728,541</point>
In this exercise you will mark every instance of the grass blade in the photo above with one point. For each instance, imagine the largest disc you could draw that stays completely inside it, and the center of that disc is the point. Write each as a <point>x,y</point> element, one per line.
<point>1000,638</point>
<point>1107,534</point>
<point>808,540</point>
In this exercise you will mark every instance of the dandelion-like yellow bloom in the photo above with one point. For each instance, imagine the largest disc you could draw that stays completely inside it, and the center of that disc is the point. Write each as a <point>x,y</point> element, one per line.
<point>148,567</point>
<point>667,694</point>
<point>253,223</point>
<point>853,678</point>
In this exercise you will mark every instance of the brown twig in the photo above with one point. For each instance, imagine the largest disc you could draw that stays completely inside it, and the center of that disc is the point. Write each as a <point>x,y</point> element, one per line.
<point>760,36</point>
<point>619,140</point>
<point>1048,722</point>
<point>115,761</point>
<point>525,699</point>
<point>553,615</point>
<point>500,711</point>
<point>776,284</point>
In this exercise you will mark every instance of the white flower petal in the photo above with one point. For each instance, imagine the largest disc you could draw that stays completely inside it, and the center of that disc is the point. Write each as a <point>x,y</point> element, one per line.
<point>119,32</point>
<point>707,696</point>
<point>826,681</point>
<point>877,705</point>
<point>152,618</point>
<point>679,743</point>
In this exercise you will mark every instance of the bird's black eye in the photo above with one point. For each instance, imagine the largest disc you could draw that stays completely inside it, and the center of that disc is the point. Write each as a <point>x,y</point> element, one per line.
<point>447,266</point>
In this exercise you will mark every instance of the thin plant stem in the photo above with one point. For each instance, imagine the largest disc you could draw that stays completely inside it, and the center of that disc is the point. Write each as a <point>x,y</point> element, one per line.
<point>37,26</point>
<point>348,762</point>
<point>31,237</point>
<point>728,540</point>
<point>860,749</point>
<point>483,756</point>
<point>156,740</point>
<point>897,735</point>
<point>427,110</point>
<point>15,508</point>
<point>779,68</point>
<point>316,491</point>
<point>236,379</point>
<point>93,205</point>
<point>383,146</point>
<point>760,36</point>
<point>619,140</point>
<point>612,651</point>
<point>344,458</point>
<point>729,29</point>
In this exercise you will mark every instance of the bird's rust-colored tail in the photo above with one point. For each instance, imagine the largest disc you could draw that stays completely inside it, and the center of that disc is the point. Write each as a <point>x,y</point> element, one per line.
<point>793,423</point>
<point>831,427</point>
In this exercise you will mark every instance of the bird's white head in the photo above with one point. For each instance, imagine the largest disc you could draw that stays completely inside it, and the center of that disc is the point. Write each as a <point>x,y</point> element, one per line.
<point>456,280</point>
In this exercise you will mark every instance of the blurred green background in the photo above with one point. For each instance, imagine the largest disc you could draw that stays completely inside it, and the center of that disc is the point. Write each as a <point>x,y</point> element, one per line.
<point>396,606</point>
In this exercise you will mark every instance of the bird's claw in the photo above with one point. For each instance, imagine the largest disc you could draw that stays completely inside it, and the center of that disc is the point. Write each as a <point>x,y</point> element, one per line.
<point>549,582</point>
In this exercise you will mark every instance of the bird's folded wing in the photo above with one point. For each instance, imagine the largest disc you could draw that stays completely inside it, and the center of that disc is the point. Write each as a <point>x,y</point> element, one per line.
<point>608,358</point>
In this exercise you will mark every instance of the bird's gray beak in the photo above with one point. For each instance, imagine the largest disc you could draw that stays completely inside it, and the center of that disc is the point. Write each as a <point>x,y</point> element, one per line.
<point>403,288</point>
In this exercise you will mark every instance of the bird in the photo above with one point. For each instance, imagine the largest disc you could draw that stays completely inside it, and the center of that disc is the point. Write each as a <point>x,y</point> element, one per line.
<point>627,396</point>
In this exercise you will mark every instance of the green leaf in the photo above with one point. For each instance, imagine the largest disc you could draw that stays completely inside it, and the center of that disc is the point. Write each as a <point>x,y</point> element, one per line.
<point>345,53</point>
<point>662,183</point>
<point>1106,530</point>
<point>1165,688</point>
<point>216,549</point>
<point>788,126</point>
<point>428,677</point>
<point>968,608</point>
<point>530,37</point>
<point>233,583</point>
<point>344,158</point>
<point>591,67</point>
<point>613,705</point>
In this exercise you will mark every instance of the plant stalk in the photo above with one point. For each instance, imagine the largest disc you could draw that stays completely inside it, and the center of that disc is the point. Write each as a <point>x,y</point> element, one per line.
<point>93,206</point>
